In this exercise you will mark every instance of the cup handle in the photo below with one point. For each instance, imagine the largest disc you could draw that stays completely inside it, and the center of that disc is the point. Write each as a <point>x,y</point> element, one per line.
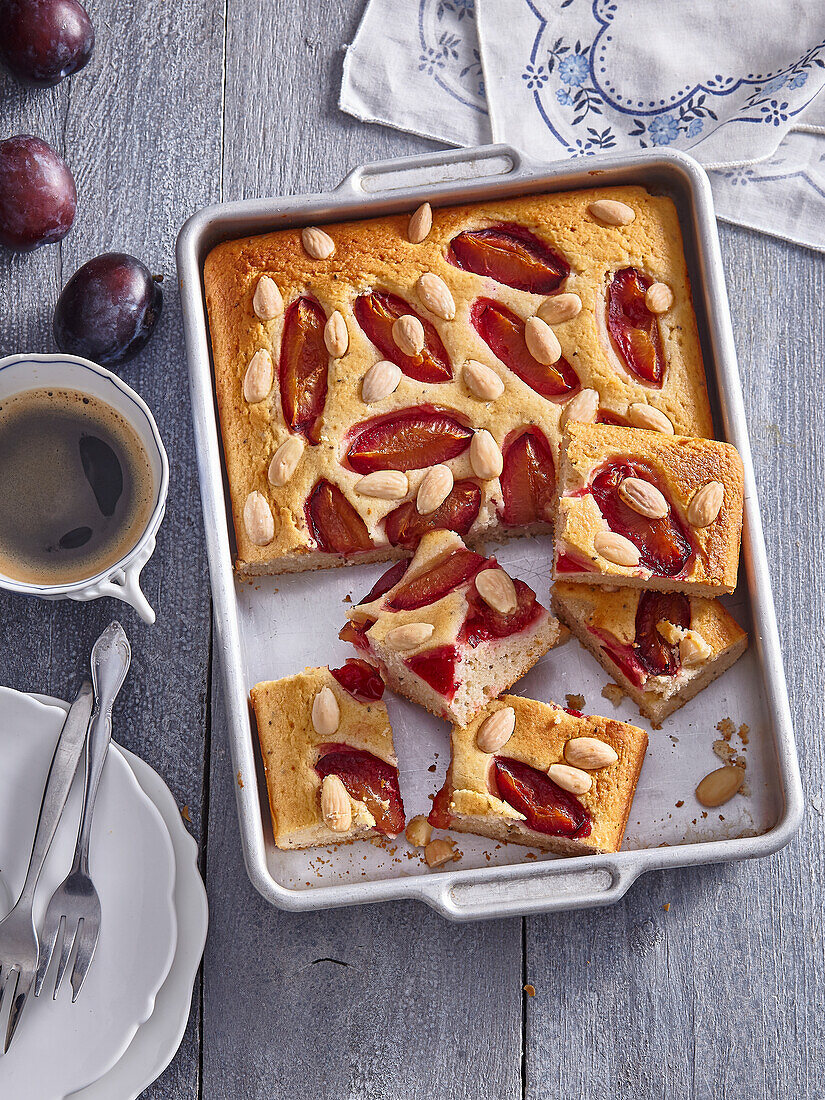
<point>124,585</point>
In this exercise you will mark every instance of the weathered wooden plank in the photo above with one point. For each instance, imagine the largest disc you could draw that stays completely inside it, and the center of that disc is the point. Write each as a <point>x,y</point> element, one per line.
<point>141,129</point>
<point>722,994</point>
<point>413,1007</point>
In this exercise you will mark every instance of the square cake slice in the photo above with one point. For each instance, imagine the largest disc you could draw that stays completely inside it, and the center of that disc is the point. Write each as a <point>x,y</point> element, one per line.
<point>536,774</point>
<point>450,629</point>
<point>662,648</point>
<point>648,510</point>
<point>331,769</point>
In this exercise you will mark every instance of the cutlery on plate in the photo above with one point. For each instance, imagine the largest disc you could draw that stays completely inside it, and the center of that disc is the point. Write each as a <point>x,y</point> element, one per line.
<point>19,945</point>
<point>73,914</point>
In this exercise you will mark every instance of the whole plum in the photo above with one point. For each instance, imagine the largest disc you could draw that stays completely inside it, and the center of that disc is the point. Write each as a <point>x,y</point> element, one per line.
<point>38,198</point>
<point>108,309</point>
<point>43,41</point>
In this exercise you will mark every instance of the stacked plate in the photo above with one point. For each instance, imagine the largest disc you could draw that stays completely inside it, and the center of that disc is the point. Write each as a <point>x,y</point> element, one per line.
<point>130,1017</point>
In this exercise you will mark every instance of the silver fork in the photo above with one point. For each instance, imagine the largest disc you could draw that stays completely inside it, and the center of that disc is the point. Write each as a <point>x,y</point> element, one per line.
<point>19,946</point>
<point>73,914</point>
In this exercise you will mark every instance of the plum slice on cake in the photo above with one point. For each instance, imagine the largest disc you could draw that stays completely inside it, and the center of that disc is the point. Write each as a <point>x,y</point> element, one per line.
<point>662,648</point>
<point>327,747</point>
<point>450,629</point>
<point>539,775</point>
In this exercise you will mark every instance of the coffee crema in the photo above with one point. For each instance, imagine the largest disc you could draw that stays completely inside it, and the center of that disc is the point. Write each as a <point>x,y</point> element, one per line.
<point>76,486</point>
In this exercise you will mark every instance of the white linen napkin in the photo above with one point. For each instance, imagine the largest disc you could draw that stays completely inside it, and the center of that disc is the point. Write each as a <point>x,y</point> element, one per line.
<point>734,85</point>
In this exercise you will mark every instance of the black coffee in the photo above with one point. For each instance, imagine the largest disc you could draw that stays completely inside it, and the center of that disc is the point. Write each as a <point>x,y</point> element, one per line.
<point>76,486</point>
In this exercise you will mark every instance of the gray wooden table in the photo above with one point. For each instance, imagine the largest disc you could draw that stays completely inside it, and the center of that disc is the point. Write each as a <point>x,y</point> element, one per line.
<point>721,996</point>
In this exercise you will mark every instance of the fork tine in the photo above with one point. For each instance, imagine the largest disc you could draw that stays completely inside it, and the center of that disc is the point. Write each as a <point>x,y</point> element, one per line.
<point>21,992</point>
<point>48,943</point>
<point>69,936</point>
<point>5,974</point>
<point>87,936</point>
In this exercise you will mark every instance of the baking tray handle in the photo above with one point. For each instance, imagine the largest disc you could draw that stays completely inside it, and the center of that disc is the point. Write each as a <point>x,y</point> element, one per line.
<point>547,887</point>
<point>428,170</point>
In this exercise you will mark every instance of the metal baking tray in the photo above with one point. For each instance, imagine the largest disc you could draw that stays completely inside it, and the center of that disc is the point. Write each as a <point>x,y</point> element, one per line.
<point>277,625</point>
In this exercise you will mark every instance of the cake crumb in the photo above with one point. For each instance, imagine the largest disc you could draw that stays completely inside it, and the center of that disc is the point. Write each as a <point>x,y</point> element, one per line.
<point>655,725</point>
<point>530,990</point>
<point>240,781</point>
<point>728,754</point>
<point>680,803</point>
<point>666,907</point>
<point>744,733</point>
<point>185,814</point>
<point>431,768</point>
<point>726,728</point>
<point>347,598</point>
<point>614,693</point>
<point>441,851</point>
<point>575,702</point>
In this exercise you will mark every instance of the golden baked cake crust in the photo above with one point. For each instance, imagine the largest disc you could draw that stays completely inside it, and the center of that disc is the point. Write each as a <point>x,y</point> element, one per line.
<point>377,254</point>
<point>291,747</point>
<point>541,732</point>
<point>701,525</point>
<point>659,672</point>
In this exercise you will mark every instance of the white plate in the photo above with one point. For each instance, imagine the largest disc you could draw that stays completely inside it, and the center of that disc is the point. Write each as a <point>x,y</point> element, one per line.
<point>157,1041</point>
<point>59,1047</point>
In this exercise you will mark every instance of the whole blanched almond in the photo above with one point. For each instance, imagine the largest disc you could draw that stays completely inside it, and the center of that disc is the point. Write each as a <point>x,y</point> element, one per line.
<point>494,733</point>
<point>285,460</point>
<point>435,295</point>
<point>380,381</point>
<point>336,335</point>
<point>267,301</point>
<point>257,382</point>
<point>720,786</point>
<point>258,519</point>
<point>616,549</point>
<point>434,489</point>
<point>589,753</point>
<point>570,779</point>
<point>497,590</point>
<point>384,485</point>
<point>706,504</point>
<point>481,381</point>
<point>645,416</point>
<point>336,807</point>
<point>542,342</point>
<point>485,455</point>
<point>643,498</point>
<point>612,212</point>
<point>317,244</point>
<point>439,851</point>
<point>409,636</point>
<point>419,831</point>
<point>693,649</point>
<point>584,407</point>
<point>326,714</point>
<point>408,334</point>
<point>560,308</point>
<point>421,222</point>
<point>658,297</point>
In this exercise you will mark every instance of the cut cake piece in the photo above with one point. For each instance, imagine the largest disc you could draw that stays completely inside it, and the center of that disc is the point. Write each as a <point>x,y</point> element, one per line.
<point>560,781</point>
<point>662,648</point>
<point>450,629</point>
<point>327,747</point>
<point>649,510</point>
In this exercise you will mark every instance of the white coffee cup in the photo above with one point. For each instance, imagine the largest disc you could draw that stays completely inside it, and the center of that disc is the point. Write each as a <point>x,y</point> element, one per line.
<point>19,373</point>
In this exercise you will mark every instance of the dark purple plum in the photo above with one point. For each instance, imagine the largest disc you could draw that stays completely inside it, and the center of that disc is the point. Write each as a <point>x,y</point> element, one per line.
<point>108,309</point>
<point>44,41</point>
<point>38,198</point>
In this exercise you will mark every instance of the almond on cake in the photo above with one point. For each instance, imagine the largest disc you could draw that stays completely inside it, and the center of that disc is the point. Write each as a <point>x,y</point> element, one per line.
<point>649,510</point>
<point>327,748</point>
<point>536,774</point>
<point>662,648</point>
<point>451,629</point>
